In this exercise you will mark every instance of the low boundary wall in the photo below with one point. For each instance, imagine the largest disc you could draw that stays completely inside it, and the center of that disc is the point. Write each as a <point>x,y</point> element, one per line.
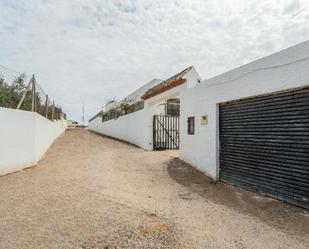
<point>135,128</point>
<point>24,138</point>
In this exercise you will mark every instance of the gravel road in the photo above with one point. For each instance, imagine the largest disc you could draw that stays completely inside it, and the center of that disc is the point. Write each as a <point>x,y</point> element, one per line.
<point>93,192</point>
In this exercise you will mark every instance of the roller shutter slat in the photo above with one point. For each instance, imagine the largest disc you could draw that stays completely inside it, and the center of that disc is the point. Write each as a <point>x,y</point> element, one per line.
<point>264,145</point>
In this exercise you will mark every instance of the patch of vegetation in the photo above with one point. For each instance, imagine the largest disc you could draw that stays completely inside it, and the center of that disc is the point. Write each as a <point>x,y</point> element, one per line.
<point>12,92</point>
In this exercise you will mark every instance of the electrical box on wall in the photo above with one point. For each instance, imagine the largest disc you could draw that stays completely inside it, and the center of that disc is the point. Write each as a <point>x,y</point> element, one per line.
<point>204,120</point>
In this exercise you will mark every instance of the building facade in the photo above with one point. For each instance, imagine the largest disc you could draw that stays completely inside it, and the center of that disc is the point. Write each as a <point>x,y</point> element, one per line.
<point>251,126</point>
<point>133,121</point>
<point>248,126</point>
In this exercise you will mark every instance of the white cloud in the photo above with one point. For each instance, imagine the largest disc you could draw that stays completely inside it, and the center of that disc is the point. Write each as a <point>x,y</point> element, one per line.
<point>94,50</point>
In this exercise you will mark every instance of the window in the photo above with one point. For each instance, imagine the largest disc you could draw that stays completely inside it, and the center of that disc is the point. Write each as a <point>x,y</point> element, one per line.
<point>172,107</point>
<point>191,125</point>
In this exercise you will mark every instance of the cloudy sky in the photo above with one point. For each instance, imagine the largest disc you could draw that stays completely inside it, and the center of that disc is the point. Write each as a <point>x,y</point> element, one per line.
<point>94,50</point>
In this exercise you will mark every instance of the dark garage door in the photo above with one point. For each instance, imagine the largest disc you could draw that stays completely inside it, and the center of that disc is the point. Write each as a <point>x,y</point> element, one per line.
<point>264,145</point>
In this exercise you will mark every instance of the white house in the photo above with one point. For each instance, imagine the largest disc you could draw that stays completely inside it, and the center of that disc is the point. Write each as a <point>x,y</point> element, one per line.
<point>152,98</point>
<point>250,126</point>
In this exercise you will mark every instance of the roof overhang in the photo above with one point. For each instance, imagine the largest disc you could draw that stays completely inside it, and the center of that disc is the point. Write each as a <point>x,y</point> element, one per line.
<point>162,88</point>
<point>168,84</point>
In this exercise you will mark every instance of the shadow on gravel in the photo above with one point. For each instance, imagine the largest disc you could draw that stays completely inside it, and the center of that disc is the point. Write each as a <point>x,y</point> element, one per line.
<point>275,213</point>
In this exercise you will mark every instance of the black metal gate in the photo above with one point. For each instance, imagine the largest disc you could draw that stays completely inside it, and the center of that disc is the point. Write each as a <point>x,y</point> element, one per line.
<point>165,132</point>
<point>264,145</point>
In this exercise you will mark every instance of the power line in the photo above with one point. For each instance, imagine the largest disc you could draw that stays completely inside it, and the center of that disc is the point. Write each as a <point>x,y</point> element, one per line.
<point>11,70</point>
<point>9,75</point>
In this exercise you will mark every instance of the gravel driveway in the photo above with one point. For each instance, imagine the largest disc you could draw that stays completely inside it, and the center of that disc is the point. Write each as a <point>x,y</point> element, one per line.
<point>94,192</point>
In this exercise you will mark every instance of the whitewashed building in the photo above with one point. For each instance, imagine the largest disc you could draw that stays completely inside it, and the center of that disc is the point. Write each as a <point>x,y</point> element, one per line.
<point>250,126</point>
<point>153,98</point>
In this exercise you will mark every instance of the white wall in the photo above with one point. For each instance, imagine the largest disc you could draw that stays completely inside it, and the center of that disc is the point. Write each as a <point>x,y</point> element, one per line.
<point>134,96</point>
<point>24,138</point>
<point>193,78</point>
<point>137,127</point>
<point>132,128</point>
<point>284,70</point>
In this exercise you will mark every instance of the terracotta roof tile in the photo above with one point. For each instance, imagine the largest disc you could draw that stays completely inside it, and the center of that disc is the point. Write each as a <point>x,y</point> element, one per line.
<point>172,82</point>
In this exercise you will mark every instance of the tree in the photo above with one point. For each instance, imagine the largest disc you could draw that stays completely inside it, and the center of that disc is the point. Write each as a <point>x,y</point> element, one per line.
<point>10,94</point>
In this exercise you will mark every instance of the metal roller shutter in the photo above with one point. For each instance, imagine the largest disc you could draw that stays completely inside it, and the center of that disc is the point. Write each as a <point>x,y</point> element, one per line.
<point>264,144</point>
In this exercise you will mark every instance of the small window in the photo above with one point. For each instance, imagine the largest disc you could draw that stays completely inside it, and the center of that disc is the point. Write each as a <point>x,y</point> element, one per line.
<point>172,107</point>
<point>191,125</point>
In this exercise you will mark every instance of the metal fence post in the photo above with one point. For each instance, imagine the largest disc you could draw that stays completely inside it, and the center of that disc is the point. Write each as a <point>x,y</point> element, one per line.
<point>24,95</point>
<point>46,107</point>
<point>52,116</point>
<point>33,95</point>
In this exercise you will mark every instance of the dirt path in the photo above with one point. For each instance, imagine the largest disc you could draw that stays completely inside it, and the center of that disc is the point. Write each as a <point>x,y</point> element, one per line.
<point>95,192</point>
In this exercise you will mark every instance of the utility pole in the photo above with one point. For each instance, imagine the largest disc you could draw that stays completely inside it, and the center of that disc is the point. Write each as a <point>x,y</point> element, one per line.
<point>83,113</point>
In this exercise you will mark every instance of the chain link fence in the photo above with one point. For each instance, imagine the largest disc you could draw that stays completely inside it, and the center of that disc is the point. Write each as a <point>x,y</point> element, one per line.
<point>18,91</point>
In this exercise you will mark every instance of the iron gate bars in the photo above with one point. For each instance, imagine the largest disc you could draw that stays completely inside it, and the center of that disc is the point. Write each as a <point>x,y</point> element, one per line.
<point>165,132</point>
